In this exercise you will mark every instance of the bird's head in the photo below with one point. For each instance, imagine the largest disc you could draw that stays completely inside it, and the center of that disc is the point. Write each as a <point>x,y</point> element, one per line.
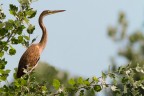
<point>49,12</point>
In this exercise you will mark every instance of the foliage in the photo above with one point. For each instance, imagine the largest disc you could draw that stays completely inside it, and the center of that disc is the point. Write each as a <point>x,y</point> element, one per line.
<point>12,32</point>
<point>28,85</point>
<point>132,47</point>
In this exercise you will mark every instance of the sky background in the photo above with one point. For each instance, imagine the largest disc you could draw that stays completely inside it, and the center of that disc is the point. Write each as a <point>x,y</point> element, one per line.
<point>77,38</point>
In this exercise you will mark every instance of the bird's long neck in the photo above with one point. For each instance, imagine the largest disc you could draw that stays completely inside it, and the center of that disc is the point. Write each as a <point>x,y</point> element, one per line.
<point>44,37</point>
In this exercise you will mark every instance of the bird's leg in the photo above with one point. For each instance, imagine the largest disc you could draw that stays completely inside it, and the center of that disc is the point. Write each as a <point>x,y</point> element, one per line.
<point>28,69</point>
<point>35,65</point>
<point>32,68</point>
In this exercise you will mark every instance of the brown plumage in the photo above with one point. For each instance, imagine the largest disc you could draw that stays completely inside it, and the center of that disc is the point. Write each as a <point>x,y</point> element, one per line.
<point>31,56</point>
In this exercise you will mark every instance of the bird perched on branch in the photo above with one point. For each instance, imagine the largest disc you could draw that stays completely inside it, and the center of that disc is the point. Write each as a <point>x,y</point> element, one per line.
<point>31,56</point>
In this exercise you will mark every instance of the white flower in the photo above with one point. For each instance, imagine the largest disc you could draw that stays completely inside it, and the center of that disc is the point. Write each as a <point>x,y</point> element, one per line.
<point>25,71</point>
<point>142,86</point>
<point>60,90</point>
<point>127,72</point>
<point>138,68</point>
<point>113,88</point>
<point>142,71</point>
<point>135,84</point>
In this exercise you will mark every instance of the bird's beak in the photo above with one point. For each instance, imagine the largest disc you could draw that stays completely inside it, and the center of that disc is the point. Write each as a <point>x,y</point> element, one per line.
<point>56,11</point>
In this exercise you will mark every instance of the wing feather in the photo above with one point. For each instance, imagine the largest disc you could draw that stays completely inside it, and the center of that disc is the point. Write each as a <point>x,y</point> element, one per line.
<point>29,59</point>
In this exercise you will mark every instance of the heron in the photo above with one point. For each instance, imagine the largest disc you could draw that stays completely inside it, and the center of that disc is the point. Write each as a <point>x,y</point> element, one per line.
<point>31,56</point>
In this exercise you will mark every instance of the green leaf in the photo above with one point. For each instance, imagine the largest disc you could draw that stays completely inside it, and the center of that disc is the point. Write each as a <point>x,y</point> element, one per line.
<point>87,87</point>
<point>71,81</point>
<point>26,43</point>
<point>31,13</point>
<point>121,69</point>
<point>3,62</point>
<point>20,29</point>
<point>115,81</point>
<point>125,89</point>
<point>4,43</point>
<point>30,29</point>
<point>15,75</point>
<point>26,37</point>
<point>104,76</point>
<point>1,54</point>
<point>14,41</point>
<point>56,84</point>
<point>131,79</point>
<point>23,82</point>
<point>4,74</point>
<point>112,75</point>
<point>81,93</point>
<point>95,79</point>
<point>3,78</point>
<point>61,94</point>
<point>25,2</point>
<point>80,80</point>
<point>7,71</point>
<point>3,31</point>
<point>1,71</point>
<point>124,80</point>
<point>2,15</point>
<point>12,51</point>
<point>86,82</point>
<point>44,89</point>
<point>34,39</point>
<point>1,25</point>
<point>9,25</point>
<point>20,39</point>
<point>17,23</point>
<point>16,83</point>
<point>97,88</point>
<point>138,68</point>
<point>5,48</point>
<point>13,9</point>
<point>26,20</point>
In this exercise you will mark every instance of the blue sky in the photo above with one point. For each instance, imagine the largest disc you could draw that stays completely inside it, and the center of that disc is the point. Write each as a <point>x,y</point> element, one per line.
<point>77,38</point>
